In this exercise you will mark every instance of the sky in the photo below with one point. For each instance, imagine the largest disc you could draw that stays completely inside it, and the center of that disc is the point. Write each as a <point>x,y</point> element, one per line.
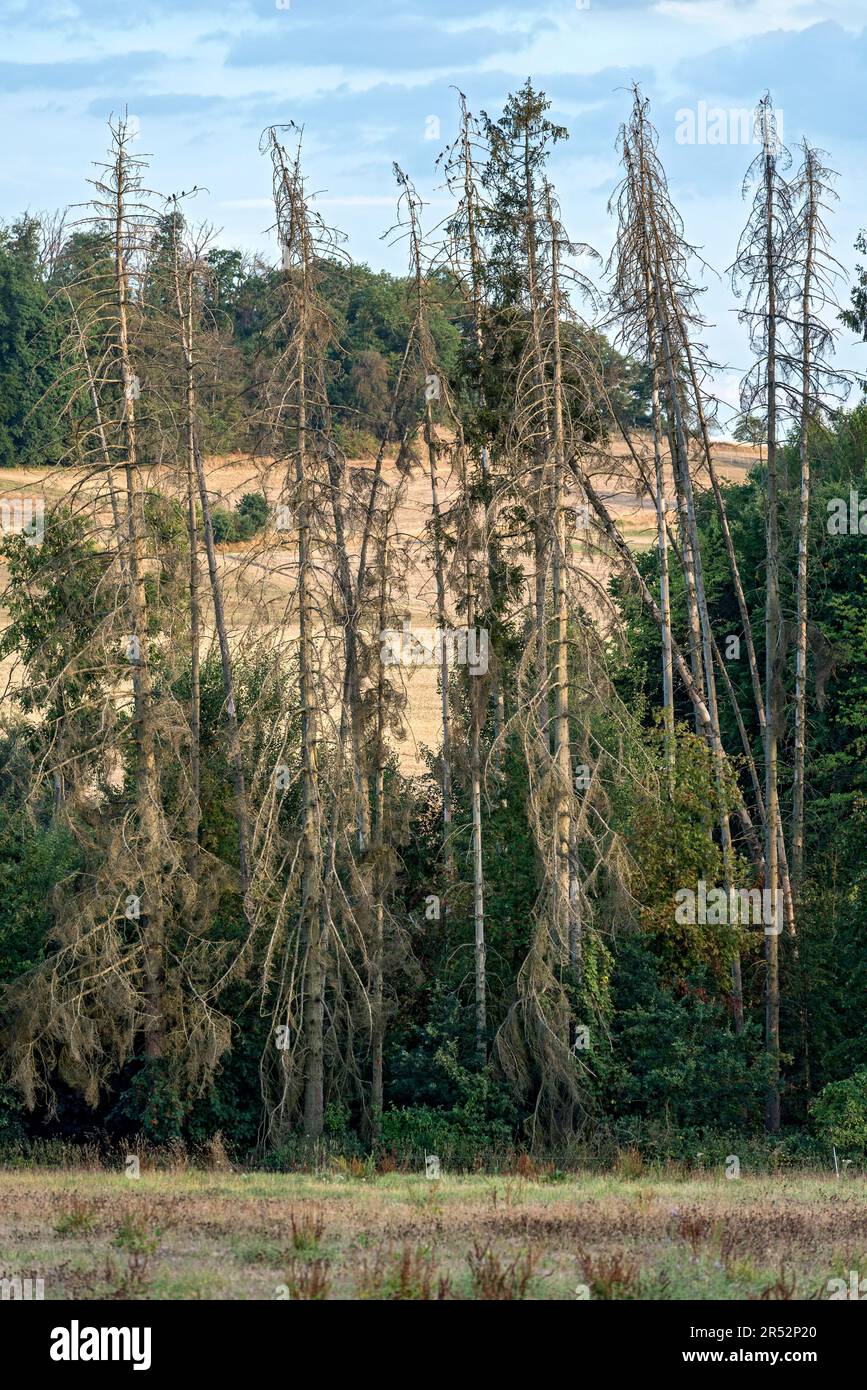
<point>372,81</point>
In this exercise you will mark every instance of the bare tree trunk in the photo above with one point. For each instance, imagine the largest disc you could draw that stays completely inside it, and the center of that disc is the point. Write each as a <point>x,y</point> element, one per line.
<point>480,949</point>
<point>727,537</point>
<point>197,484</point>
<point>105,452</point>
<point>773,639</point>
<point>195,812</point>
<point>803,540</point>
<point>567,914</point>
<point>680,469</point>
<point>434,387</point>
<point>439,575</point>
<point>377,964</point>
<point>185,322</point>
<point>475,702</point>
<point>476,713</point>
<point>664,318</point>
<point>754,844</point>
<point>152,918</point>
<point>664,584</point>
<point>351,703</point>
<point>314,1000</point>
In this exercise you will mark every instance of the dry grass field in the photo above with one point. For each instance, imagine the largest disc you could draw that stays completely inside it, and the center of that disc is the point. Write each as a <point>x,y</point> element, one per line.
<point>259,582</point>
<point>191,1234</point>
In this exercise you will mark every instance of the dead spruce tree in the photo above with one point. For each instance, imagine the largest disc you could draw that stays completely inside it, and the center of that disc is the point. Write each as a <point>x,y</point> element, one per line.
<point>386,701</point>
<point>188,277</point>
<point>763,274</point>
<point>376,700</point>
<point>653,293</point>
<point>363,509</point>
<point>545,416</point>
<point>131,967</point>
<point>816,383</point>
<point>476,508</point>
<point>634,304</point>
<point>334,877</point>
<point>436,448</point>
<point>295,394</point>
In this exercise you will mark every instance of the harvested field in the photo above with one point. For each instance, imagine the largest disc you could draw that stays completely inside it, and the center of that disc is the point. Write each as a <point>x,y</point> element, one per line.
<point>259,576</point>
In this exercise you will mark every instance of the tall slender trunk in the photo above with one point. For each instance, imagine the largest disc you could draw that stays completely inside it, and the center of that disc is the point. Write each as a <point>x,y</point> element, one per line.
<point>734,569</point>
<point>664,585</point>
<point>773,633</point>
<point>475,703</point>
<point>152,916</point>
<point>197,486</point>
<point>105,451</point>
<point>195,810</point>
<point>680,473</point>
<point>440,578</point>
<point>755,847</point>
<point>661,536</point>
<point>377,964</point>
<point>664,317</point>
<point>314,968</point>
<point>681,664</point>
<point>433,374</point>
<point>803,540</point>
<point>476,712</point>
<point>351,713</point>
<point>184,305</point>
<point>567,907</point>
<point>541,486</point>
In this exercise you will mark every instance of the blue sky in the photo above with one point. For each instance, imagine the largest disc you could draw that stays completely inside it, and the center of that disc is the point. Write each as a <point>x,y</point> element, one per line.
<point>369,80</point>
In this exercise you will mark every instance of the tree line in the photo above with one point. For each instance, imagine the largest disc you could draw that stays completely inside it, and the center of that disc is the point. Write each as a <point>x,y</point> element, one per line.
<point>229,909</point>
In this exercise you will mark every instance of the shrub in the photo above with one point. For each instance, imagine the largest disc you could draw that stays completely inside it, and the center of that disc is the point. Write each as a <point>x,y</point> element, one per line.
<point>253,509</point>
<point>225,525</point>
<point>839,1114</point>
<point>415,1130</point>
<point>250,516</point>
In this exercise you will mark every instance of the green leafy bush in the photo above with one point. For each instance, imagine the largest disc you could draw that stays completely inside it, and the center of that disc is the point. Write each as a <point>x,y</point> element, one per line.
<point>839,1114</point>
<point>253,509</point>
<point>224,524</point>
<point>480,1123</point>
<point>242,524</point>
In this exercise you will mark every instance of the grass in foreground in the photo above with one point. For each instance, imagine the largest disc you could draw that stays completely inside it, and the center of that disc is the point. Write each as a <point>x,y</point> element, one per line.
<point>194,1234</point>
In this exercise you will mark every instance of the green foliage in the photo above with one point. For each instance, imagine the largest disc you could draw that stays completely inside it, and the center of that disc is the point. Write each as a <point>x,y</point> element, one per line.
<point>31,433</point>
<point>56,601</point>
<point>673,1052</point>
<point>855,317</point>
<point>13,1120</point>
<point>250,517</point>
<point>839,1115</point>
<point>253,510</point>
<point>153,1103</point>
<point>454,1136</point>
<point>751,429</point>
<point>34,859</point>
<point>224,524</point>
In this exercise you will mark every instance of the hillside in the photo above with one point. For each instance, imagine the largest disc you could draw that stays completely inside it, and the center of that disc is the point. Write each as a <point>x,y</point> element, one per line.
<point>261,573</point>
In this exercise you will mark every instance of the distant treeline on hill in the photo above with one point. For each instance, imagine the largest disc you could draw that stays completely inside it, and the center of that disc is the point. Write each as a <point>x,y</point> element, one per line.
<point>43,270</point>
